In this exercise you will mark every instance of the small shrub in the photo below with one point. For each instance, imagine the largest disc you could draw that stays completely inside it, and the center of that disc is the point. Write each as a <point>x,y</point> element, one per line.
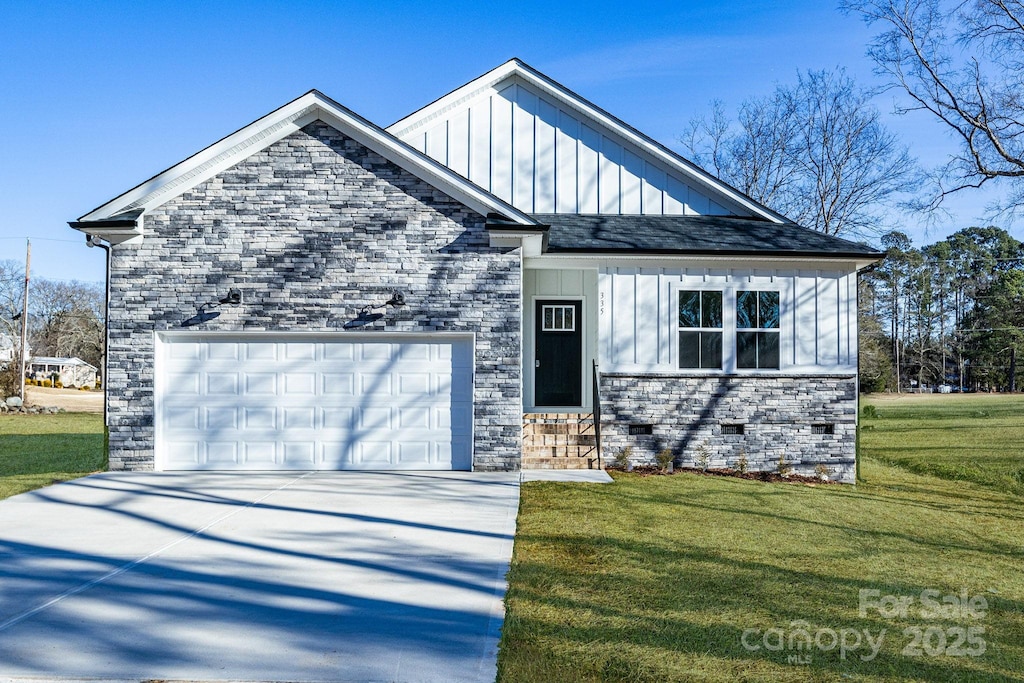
<point>664,458</point>
<point>869,411</point>
<point>822,471</point>
<point>703,458</point>
<point>47,383</point>
<point>58,384</point>
<point>784,467</point>
<point>742,464</point>
<point>622,458</point>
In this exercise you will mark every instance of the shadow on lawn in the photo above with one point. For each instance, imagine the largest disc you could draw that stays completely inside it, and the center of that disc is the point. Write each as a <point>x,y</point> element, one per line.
<point>626,643</point>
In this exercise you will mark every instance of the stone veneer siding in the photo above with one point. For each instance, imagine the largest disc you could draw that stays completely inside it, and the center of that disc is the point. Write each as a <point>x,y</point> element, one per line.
<point>687,414</point>
<point>311,229</point>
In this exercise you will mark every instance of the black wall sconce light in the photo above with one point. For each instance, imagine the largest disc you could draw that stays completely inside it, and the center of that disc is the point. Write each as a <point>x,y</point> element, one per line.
<point>233,297</point>
<point>367,316</point>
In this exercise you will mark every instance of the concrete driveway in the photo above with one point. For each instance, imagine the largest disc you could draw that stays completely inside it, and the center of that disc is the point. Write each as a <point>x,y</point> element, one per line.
<point>257,577</point>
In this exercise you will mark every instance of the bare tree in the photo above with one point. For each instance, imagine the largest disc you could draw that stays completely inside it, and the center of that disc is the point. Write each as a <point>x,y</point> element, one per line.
<point>815,151</point>
<point>962,61</point>
<point>67,320</point>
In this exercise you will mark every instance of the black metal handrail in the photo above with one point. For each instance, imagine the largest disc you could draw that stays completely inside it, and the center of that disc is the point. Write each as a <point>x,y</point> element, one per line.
<point>597,414</point>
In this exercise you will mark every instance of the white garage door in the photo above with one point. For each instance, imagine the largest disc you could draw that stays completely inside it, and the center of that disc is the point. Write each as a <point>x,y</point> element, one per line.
<point>275,402</point>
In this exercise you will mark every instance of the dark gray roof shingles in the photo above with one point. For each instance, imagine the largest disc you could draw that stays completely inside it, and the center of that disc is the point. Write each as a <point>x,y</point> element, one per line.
<point>580,233</point>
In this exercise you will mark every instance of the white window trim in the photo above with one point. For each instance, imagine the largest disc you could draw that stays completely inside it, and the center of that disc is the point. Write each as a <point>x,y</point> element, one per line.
<point>729,296</point>
<point>557,307</point>
<point>775,330</point>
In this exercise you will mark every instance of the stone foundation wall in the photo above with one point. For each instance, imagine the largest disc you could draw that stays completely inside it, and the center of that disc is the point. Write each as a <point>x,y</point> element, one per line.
<point>692,416</point>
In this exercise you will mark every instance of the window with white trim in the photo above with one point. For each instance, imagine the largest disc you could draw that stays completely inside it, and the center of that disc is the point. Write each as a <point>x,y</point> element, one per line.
<point>558,318</point>
<point>757,330</point>
<point>700,329</point>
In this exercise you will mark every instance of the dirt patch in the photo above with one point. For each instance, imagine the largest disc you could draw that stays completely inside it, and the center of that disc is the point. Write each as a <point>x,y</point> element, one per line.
<point>71,400</point>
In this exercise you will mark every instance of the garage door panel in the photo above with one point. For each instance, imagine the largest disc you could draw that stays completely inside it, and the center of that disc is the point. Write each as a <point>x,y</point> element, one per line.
<point>260,384</point>
<point>221,452</point>
<point>259,453</point>
<point>183,453</point>
<point>258,351</point>
<point>414,417</point>
<point>299,351</point>
<point>257,417</point>
<point>183,383</point>
<point>272,403</point>
<point>299,384</point>
<point>414,452</point>
<point>300,455</point>
<point>222,383</point>
<point>338,383</point>
<point>299,418</point>
<point>222,351</point>
<point>221,418</point>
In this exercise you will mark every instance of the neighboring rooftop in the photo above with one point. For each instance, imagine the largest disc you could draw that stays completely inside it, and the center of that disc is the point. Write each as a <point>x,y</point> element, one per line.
<point>54,360</point>
<point>725,235</point>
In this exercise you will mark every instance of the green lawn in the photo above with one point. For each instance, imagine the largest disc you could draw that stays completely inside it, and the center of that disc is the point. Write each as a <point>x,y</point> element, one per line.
<point>657,578</point>
<point>37,450</point>
<point>974,437</point>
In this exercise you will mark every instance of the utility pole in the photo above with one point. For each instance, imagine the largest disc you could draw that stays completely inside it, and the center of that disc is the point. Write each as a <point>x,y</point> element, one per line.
<point>1013,369</point>
<point>24,322</point>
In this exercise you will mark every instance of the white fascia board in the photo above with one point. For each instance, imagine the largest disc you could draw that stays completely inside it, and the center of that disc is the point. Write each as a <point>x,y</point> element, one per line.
<point>574,261</point>
<point>517,69</point>
<point>276,126</point>
<point>424,115</point>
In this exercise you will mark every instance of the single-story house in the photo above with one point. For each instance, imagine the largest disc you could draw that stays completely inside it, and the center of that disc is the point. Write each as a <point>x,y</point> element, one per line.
<point>71,372</point>
<point>7,347</point>
<point>508,277</point>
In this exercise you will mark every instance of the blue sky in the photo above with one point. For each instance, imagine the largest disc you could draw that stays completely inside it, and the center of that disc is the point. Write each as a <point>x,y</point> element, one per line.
<point>97,96</point>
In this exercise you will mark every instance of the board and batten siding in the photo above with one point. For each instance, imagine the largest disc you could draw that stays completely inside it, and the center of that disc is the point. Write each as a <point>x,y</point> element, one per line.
<point>637,316</point>
<point>542,157</point>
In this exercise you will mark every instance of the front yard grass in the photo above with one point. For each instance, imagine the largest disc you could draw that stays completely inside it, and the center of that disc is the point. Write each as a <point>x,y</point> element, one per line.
<point>37,450</point>
<point>657,578</point>
<point>969,437</point>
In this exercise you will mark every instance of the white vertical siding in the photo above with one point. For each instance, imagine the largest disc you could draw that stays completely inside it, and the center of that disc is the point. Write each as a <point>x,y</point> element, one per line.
<point>828,319</point>
<point>480,144</point>
<point>524,150</point>
<point>458,143</point>
<point>589,150</point>
<point>501,139</point>
<point>545,167</point>
<point>638,322</point>
<point>567,133</point>
<point>528,149</point>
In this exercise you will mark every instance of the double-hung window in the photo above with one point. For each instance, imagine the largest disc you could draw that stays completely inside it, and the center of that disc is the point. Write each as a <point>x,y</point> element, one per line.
<point>700,329</point>
<point>757,330</point>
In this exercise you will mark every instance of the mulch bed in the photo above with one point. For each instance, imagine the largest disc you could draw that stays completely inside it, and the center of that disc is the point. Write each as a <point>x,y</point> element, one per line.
<point>772,477</point>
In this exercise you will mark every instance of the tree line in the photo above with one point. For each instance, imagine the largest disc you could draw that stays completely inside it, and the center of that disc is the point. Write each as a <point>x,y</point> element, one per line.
<point>65,319</point>
<point>951,313</point>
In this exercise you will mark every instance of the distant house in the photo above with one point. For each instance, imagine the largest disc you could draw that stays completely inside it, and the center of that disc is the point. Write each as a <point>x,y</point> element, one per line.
<point>71,372</point>
<point>483,285</point>
<point>7,346</point>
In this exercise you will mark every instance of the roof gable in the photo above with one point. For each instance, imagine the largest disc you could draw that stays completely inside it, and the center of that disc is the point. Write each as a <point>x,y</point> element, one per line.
<point>122,218</point>
<point>545,149</point>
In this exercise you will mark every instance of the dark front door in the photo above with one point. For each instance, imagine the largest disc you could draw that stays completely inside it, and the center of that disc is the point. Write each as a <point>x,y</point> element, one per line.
<point>559,354</point>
